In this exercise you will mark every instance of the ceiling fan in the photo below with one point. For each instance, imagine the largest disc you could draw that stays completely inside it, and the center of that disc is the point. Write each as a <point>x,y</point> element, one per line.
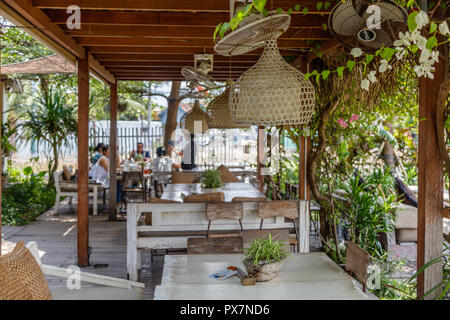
<point>252,31</point>
<point>198,75</point>
<point>351,23</point>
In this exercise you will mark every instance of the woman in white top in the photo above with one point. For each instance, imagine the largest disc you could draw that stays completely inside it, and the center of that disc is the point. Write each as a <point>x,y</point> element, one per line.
<point>162,163</point>
<point>100,172</point>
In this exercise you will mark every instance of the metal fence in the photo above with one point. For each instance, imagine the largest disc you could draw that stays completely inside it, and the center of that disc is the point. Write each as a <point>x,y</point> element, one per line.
<point>232,147</point>
<point>128,138</point>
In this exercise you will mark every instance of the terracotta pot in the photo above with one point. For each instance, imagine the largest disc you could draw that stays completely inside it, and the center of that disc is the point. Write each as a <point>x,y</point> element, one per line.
<point>263,271</point>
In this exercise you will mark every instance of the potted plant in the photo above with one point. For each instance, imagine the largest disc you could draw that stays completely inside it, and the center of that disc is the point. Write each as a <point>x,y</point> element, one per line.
<point>265,258</point>
<point>211,180</point>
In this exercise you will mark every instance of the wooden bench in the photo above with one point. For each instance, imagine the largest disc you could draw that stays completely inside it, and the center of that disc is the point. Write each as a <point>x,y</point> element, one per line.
<point>170,225</point>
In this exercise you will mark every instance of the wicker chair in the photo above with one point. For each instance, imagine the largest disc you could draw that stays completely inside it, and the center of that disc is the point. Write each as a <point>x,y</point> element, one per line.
<point>22,278</point>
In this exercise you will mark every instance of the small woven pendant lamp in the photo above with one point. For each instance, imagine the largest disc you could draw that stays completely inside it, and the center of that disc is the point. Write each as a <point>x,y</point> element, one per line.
<point>220,114</point>
<point>272,92</point>
<point>188,121</point>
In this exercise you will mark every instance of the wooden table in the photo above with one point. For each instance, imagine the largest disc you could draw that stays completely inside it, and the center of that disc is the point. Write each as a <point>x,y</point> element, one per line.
<point>306,276</point>
<point>230,190</point>
<point>241,173</point>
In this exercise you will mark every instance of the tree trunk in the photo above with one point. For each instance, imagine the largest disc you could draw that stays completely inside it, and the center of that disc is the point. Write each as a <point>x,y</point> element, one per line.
<point>55,165</point>
<point>388,152</point>
<point>314,160</point>
<point>172,112</point>
<point>44,86</point>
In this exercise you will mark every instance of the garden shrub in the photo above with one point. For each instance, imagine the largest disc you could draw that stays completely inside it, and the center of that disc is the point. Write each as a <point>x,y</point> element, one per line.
<point>27,197</point>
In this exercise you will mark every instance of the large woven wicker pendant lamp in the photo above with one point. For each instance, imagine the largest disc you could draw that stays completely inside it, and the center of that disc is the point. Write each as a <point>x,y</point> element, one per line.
<point>272,92</point>
<point>220,114</point>
<point>192,120</point>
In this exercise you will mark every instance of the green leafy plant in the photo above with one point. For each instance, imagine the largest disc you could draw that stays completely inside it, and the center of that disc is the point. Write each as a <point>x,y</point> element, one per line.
<point>407,289</point>
<point>370,209</point>
<point>8,130</point>
<point>265,250</point>
<point>26,197</point>
<point>211,179</point>
<point>50,121</point>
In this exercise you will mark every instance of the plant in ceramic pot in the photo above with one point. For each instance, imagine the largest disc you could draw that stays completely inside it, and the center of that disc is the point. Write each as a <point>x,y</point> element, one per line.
<point>265,258</point>
<point>211,180</point>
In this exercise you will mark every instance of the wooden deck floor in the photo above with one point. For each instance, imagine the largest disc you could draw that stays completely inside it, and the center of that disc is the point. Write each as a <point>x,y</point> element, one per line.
<point>56,236</point>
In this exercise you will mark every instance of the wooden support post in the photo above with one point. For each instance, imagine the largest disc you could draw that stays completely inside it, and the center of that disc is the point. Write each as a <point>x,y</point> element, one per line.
<point>304,151</point>
<point>260,156</point>
<point>1,162</point>
<point>304,142</point>
<point>113,153</point>
<point>429,238</point>
<point>83,163</point>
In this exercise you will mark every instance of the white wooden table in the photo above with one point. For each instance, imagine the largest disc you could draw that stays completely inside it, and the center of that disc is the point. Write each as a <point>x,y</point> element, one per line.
<point>305,276</point>
<point>231,190</point>
<point>173,223</point>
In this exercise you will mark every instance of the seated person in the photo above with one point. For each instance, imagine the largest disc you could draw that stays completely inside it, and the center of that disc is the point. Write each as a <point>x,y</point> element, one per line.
<point>98,152</point>
<point>174,153</point>
<point>163,164</point>
<point>100,172</point>
<point>140,154</point>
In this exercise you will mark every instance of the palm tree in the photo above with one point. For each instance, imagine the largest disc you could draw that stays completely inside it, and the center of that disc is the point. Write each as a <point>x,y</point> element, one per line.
<point>50,120</point>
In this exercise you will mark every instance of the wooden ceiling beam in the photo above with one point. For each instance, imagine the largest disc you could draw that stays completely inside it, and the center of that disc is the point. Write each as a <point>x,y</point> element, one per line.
<point>161,79</point>
<point>164,5</point>
<point>209,19</point>
<point>182,32</point>
<point>146,42</point>
<point>224,69</point>
<point>35,16</point>
<point>39,20</point>
<point>127,64</point>
<point>178,50</point>
<point>166,57</point>
<point>100,70</point>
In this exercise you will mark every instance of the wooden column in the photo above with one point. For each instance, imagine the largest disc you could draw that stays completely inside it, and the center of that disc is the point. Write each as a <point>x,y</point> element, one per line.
<point>429,238</point>
<point>83,163</point>
<point>260,156</point>
<point>304,148</point>
<point>113,153</point>
<point>1,162</point>
<point>304,151</point>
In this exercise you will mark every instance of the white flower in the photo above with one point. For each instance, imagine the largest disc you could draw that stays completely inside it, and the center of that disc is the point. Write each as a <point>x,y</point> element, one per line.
<point>421,19</point>
<point>443,28</point>
<point>365,84</point>
<point>421,42</point>
<point>435,56</point>
<point>403,39</point>
<point>424,55</point>
<point>424,69</point>
<point>384,65</point>
<point>400,53</point>
<point>372,76</point>
<point>356,52</point>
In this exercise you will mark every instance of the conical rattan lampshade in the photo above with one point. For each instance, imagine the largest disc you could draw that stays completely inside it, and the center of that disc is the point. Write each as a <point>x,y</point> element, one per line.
<point>196,115</point>
<point>220,114</point>
<point>272,92</point>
